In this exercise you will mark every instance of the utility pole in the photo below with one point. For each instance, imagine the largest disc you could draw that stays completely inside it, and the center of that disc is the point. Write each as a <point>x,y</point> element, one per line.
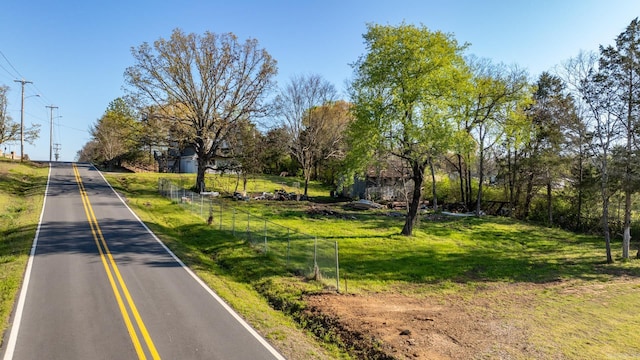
<point>51,107</point>
<point>57,149</point>
<point>23,81</point>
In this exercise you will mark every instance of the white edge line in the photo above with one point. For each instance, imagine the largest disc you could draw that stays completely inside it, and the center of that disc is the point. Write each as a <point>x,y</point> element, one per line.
<point>226,306</point>
<point>15,328</point>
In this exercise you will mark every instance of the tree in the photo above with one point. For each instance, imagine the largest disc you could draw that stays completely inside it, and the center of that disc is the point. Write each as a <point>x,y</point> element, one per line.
<point>244,148</point>
<point>551,115</point>
<point>487,107</point>
<point>574,72</point>
<point>402,95</point>
<point>599,98</point>
<point>329,122</point>
<point>620,72</point>
<point>115,134</point>
<point>301,105</point>
<point>216,80</point>
<point>10,130</point>
<point>275,151</point>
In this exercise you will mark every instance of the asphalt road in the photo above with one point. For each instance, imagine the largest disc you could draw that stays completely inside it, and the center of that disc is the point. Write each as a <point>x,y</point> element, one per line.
<point>100,286</point>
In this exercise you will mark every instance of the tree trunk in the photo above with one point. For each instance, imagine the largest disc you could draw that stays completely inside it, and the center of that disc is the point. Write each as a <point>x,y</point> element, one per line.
<point>626,235</point>
<point>461,174</point>
<point>480,179</point>
<point>412,212</point>
<point>580,191</point>
<point>604,182</point>
<point>510,175</point>
<point>528,196</point>
<point>433,185</point>
<point>202,169</point>
<point>467,202</point>
<point>549,205</point>
<point>605,228</point>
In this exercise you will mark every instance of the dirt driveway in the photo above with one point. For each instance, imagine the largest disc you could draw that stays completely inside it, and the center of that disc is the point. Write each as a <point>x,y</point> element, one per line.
<point>480,325</point>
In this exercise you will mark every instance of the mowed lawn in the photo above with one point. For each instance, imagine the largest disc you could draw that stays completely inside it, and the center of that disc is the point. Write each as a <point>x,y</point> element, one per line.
<point>579,306</point>
<point>22,188</point>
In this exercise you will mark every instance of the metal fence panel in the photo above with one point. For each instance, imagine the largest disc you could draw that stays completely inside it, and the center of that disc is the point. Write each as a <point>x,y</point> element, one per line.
<point>299,253</point>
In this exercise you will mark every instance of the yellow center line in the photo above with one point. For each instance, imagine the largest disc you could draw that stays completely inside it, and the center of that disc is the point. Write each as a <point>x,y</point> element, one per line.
<point>112,269</point>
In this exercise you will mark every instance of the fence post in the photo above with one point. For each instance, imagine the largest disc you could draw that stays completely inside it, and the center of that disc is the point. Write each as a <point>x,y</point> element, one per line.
<point>201,204</point>
<point>315,252</point>
<point>265,237</point>
<point>248,227</point>
<point>337,270</point>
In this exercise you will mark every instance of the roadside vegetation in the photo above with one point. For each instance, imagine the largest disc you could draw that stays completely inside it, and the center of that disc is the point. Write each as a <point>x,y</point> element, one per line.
<point>562,278</point>
<point>22,187</point>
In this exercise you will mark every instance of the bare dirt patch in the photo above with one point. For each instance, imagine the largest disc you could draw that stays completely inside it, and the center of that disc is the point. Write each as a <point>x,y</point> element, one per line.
<point>475,326</point>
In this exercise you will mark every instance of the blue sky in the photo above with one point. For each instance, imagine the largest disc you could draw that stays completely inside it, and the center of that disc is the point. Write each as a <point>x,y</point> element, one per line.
<point>75,52</point>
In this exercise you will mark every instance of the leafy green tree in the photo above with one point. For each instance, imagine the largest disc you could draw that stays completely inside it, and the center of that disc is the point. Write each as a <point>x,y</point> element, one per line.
<point>486,109</point>
<point>402,94</point>
<point>517,135</point>
<point>245,144</point>
<point>215,80</point>
<point>115,134</point>
<point>275,152</point>
<point>551,115</point>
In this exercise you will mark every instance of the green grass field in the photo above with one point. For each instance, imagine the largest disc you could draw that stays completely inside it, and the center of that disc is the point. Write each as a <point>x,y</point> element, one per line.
<point>22,189</point>
<point>577,306</point>
<point>450,256</point>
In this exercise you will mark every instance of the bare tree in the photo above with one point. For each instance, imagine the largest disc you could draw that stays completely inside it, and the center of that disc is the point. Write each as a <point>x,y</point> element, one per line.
<point>10,130</point>
<point>620,74</point>
<point>216,80</point>
<point>300,105</point>
<point>574,72</point>
<point>606,134</point>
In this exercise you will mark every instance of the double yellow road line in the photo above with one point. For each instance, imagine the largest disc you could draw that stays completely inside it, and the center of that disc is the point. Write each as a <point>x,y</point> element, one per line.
<point>119,288</point>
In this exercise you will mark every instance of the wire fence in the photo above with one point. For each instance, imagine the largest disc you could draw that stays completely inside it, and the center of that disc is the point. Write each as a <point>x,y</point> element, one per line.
<point>297,252</point>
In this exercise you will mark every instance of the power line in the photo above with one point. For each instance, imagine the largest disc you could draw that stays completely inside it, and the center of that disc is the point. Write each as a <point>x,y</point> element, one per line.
<point>10,64</point>
<point>11,76</point>
<point>42,94</point>
<point>72,128</point>
<point>17,74</point>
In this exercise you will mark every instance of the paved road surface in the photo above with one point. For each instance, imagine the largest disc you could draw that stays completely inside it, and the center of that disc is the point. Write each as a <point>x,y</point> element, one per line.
<point>100,286</point>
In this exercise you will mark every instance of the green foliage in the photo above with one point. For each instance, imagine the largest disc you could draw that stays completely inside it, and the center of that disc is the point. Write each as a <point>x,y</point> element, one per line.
<point>402,95</point>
